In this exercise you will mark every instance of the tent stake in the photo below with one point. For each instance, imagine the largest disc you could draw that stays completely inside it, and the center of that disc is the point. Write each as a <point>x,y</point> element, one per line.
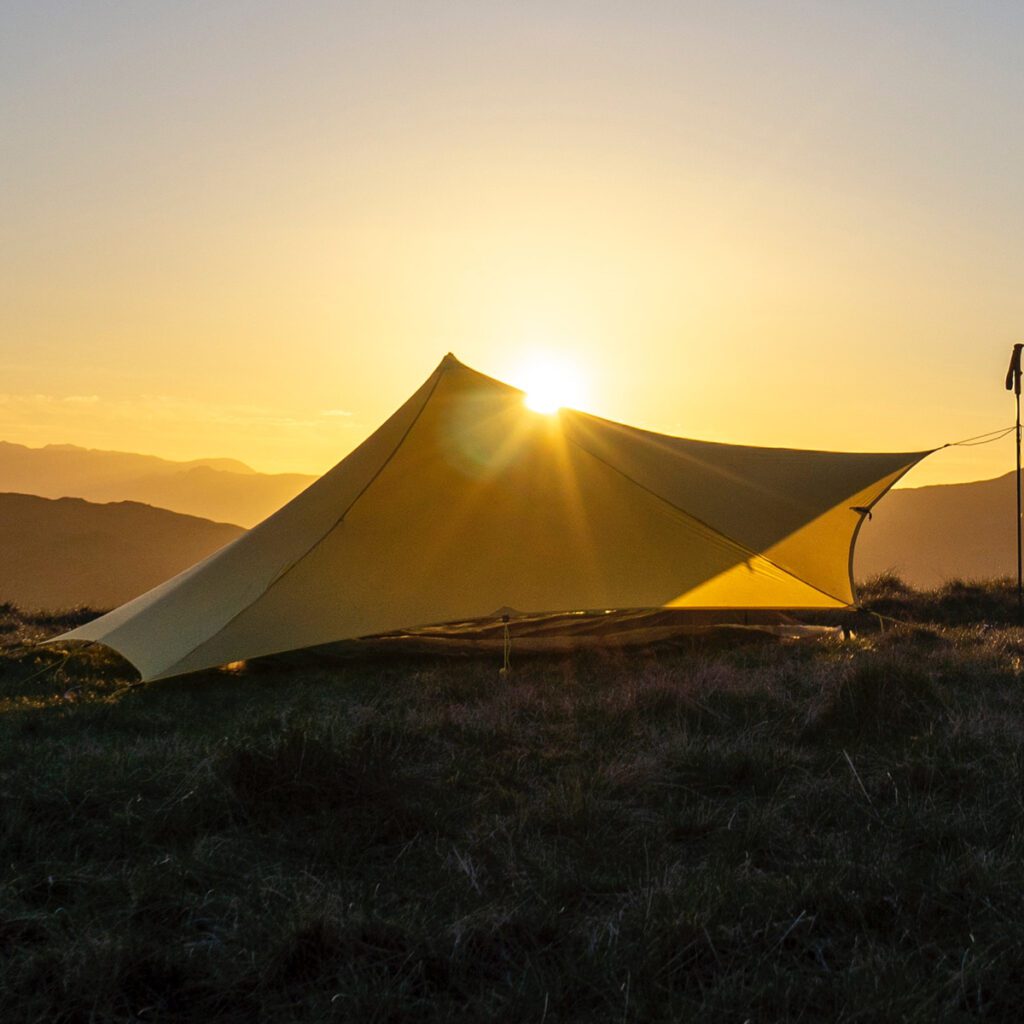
<point>507,648</point>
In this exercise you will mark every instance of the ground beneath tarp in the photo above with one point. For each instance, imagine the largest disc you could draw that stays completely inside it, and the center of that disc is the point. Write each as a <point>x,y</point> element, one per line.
<point>567,632</point>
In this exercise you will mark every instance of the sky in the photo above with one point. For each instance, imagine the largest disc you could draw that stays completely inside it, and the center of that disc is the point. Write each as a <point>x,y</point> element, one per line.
<point>253,229</point>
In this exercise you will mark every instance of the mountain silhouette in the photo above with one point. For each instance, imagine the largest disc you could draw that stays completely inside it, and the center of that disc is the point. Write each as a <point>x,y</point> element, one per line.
<point>61,553</point>
<point>224,490</point>
<point>945,531</point>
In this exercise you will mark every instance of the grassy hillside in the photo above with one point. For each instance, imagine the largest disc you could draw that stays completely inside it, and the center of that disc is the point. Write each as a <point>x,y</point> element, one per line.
<point>67,552</point>
<point>830,830</point>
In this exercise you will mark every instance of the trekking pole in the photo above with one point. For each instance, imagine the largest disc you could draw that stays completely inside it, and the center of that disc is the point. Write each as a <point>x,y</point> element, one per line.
<point>1013,383</point>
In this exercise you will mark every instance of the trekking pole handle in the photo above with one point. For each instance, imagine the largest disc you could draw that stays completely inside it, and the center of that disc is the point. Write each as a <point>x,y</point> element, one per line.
<point>1013,373</point>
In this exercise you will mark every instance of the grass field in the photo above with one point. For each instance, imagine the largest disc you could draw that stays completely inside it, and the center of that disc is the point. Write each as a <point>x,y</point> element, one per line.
<point>828,830</point>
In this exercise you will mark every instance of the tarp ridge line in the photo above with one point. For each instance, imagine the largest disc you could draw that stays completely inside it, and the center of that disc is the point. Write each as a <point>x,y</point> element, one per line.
<point>748,447</point>
<point>441,371</point>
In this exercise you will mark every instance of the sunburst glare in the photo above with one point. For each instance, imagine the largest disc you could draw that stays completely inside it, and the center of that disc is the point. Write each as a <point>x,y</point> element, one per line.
<point>551,382</point>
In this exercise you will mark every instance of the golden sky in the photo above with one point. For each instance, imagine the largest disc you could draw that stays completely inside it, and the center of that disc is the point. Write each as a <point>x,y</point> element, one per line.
<point>252,229</point>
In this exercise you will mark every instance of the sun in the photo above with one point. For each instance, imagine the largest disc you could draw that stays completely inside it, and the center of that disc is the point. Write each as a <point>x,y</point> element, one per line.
<point>551,382</point>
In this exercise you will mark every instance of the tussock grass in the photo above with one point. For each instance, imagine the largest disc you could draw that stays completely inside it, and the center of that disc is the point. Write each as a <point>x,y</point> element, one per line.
<point>821,831</point>
<point>955,602</point>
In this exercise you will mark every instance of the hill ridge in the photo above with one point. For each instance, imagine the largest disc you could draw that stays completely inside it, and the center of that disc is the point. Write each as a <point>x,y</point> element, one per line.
<point>64,552</point>
<point>221,490</point>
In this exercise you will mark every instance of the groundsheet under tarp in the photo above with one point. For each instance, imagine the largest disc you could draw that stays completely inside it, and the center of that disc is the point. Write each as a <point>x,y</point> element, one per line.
<point>568,632</point>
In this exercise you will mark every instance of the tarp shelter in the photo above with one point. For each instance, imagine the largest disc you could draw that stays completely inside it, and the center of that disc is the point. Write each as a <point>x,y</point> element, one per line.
<point>466,502</point>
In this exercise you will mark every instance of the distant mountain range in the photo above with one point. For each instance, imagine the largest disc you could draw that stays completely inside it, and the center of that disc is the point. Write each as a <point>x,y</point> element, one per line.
<point>931,534</point>
<point>223,490</point>
<point>68,552</point>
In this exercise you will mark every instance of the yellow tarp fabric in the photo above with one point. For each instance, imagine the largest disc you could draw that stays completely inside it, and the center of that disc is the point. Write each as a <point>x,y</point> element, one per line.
<point>465,502</point>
